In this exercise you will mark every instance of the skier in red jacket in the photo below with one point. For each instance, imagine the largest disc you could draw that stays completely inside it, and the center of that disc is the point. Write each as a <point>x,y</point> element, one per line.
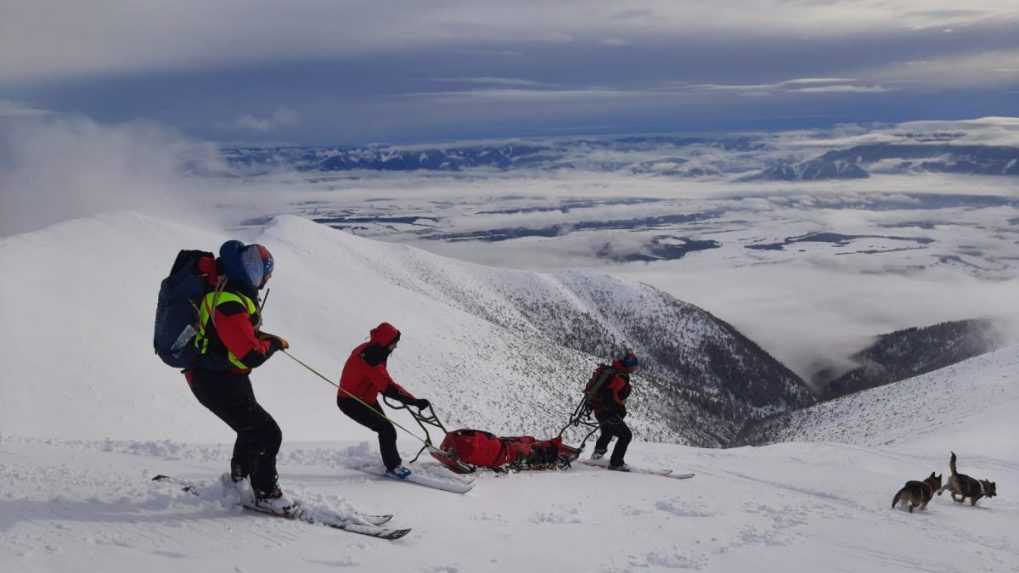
<point>364,378</point>
<point>232,344</point>
<point>609,405</point>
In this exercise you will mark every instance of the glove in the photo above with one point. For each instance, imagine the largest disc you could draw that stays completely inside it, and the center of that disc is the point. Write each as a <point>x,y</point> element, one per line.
<point>420,403</point>
<point>275,342</point>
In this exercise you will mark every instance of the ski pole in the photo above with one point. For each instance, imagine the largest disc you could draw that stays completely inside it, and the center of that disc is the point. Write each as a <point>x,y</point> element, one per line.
<point>362,402</point>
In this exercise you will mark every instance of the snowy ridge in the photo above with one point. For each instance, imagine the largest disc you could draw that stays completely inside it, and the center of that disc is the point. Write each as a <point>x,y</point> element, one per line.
<point>501,350</point>
<point>941,408</point>
<point>698,368</point>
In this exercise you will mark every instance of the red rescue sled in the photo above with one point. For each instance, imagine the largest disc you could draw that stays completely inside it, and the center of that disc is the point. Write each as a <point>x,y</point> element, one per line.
<point>464,451</point>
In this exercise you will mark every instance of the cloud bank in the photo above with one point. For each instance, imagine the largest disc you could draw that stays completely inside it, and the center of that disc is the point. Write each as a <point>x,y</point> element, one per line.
<point>57,168</point>
<point>407,71</point>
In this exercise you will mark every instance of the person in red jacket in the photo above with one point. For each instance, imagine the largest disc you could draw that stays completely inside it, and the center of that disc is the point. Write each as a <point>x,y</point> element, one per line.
<point>231,344</point>
<point>364,378</point>
<point>608,403</point>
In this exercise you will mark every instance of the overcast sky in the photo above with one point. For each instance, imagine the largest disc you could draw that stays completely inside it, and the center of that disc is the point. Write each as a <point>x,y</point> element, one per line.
<point>328,71</point>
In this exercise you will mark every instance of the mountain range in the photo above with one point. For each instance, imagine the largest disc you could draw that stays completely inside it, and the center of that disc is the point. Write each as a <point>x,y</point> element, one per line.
<point>735,158</point>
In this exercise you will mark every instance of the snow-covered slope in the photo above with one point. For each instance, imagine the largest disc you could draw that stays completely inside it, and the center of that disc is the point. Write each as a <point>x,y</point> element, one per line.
<point>76,506</point>
<point>77,365</point>
<point>507,351</point>
<point>940,409</point>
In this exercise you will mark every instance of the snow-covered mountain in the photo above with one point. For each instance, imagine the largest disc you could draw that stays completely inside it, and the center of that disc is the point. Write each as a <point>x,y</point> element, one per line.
<point>642,154</point>
<point>980,147</point>
<point>88,415</point>
<point>503,350</point>
<point>913,351</point>
<point>946,407</point>
<point>859,161</point>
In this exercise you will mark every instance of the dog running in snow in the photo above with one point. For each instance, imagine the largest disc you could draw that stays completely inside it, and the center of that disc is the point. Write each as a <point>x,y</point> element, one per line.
<point>918,493</point>
<point>963,486</point>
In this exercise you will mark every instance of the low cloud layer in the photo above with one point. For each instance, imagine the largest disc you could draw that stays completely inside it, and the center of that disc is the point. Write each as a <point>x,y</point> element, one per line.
<point>56,168</point>
<point>282,118</point>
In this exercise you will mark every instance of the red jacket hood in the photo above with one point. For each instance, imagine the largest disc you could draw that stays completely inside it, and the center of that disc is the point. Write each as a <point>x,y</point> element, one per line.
<point>384,334</point>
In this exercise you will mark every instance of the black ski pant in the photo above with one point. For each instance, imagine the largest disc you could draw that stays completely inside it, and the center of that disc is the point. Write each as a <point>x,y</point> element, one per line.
<point>612,426</point>
<point>373,418</point>
<point>231,397</point>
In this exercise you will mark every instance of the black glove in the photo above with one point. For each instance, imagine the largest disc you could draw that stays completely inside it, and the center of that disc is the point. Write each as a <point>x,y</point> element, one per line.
<point>275,342</point>
<point>419,403</point>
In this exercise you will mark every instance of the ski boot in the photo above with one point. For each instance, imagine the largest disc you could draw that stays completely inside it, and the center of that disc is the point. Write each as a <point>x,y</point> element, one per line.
<point>597,454</point>
<point>399,472</point>
<point>620,467</point>
<point>275,502</point>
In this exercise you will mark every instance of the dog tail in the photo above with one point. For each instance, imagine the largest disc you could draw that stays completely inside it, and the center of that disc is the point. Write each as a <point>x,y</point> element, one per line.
<point>895,500</point>
<point>951,464</point>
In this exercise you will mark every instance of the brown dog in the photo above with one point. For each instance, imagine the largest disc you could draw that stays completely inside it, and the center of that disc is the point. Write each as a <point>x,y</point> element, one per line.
<point>964,486</point>
<point>918,493</point>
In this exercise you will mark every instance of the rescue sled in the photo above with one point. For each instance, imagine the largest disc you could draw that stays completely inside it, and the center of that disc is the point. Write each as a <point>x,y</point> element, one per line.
<point>465,451</point>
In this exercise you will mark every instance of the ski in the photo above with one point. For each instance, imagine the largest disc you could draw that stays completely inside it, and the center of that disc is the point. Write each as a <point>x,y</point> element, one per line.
<point>604,464</point>
<point>363,523</point>
<point>450,484</point>
<point>318,517</point>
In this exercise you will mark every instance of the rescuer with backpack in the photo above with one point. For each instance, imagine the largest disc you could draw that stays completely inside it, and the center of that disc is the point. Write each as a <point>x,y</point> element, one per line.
<point>607,393</point>
<point>218,351</point>
<point>364,377</point>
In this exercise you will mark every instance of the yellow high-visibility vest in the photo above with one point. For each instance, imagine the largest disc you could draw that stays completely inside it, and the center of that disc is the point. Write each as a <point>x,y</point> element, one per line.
<point>211,301</point>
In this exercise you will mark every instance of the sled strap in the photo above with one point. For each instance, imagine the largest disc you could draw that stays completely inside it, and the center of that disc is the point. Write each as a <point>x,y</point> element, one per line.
<point>424,421</point>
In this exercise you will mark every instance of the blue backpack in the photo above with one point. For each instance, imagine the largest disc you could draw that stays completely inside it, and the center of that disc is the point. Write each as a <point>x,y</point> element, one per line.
<point>176,324</point>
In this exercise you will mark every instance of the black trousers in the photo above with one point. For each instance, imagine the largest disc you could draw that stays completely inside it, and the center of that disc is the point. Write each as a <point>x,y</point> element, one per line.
<point>230,397</point>
<point>612,426</point>
<point>372,419</point>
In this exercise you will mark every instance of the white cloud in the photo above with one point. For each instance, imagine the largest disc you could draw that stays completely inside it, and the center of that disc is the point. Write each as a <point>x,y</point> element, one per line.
<point>798,85</point>
<point>512,90</point>
<point>53,169</point>
<point>960,71</point>
<point>841,89</point>
<point>281,118</point>
<point>59,39</point>
<point>531,95</point>
<point>492,81</point>
<point>15,109</point>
